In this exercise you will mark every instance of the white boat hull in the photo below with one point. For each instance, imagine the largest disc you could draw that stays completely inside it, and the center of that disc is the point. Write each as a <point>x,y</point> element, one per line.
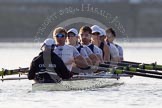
<point>81,82</point>
<point>75,85</point>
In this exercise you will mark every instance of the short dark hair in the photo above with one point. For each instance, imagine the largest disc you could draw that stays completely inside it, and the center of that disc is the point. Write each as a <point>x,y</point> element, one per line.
<point>85,29</point>
<point>111,31</point>
<point>59,30</point>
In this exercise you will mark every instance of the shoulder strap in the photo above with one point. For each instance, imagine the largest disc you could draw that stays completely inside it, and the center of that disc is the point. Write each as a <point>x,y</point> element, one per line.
<point>91,47</point>
<point>116,45</point>
<point>108,43</point>
<point>79,48</point>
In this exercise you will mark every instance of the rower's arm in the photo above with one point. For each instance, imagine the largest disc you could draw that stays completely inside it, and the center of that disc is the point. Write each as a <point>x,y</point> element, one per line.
<point>98,53</point>
<point>80,62</point>
<point>106,53</point>
<point>32,71</point>
<point>94,59</point>
<point>100,58</point>
<point>89,61</point>
<point>85,55</point>
<point>115,59</point>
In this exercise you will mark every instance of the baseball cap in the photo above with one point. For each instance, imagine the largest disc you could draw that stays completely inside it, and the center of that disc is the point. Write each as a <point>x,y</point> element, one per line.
<point>73,30</point>
<point>95,28</point>
<point>48,42</point>
<point>103,32</point>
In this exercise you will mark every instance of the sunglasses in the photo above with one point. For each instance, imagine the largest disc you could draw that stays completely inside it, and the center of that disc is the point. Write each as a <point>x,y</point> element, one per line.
<point>60,35</point>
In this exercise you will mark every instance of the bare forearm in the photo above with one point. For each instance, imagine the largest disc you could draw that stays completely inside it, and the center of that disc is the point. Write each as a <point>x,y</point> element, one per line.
<point>81,62</point>
<point>107,54</point>
<point>100,58</point>
<point>115,59</point>
<point>89,61</point>
<point>94,59</point>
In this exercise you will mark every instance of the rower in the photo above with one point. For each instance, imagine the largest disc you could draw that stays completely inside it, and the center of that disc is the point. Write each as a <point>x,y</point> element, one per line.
<point>114,53</point>
<point>85,37</point>
<point>67,53</point>
<point>73,40</point>
<point>98,36</point>
<point>47,67</point>
<point>111,35</point>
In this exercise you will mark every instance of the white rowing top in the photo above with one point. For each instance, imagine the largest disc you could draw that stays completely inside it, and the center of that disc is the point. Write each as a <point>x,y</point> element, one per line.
<point>113,50</point>
<point>97,50</point>
<point>67,53</point>
<point>88,50</point>
<point>120,49</point>
<point>82,52</point>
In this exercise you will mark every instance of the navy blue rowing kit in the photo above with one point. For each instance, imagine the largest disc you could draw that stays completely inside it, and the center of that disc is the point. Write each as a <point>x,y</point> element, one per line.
<point>46,63</point>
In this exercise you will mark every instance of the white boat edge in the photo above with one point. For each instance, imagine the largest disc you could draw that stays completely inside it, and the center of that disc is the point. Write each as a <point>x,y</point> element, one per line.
<point>89,82</point>
<point>86,84</point>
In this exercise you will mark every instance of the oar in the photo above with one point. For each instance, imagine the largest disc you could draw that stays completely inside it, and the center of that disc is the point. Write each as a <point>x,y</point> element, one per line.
<point>130,62</point>
<point>143,71</point>
<point>4,72</point>
<point>121,64</point>
<point>18,78</point>
<point>136,63</point>
<point>152,66</point>
<point>14,71</point>
<point>133,69</point>
<point>138,74</point>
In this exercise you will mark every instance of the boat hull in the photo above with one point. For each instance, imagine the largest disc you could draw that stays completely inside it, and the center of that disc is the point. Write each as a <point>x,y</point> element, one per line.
<point>85,84</point>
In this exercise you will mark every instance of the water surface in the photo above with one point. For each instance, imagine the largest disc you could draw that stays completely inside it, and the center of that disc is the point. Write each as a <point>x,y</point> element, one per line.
<point>136,92</point>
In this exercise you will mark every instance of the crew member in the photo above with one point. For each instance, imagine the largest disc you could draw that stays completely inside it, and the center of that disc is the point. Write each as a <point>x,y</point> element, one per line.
<point>98,36</point>
<point>73,40</point>
<point>111,37</point>
<point>85,36</point>
<point>114,52</point>
<point>47,67</point>
<point>67,53</point>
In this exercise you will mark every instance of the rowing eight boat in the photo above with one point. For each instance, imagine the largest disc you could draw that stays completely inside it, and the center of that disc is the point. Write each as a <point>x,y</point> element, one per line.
<point>81,82</point>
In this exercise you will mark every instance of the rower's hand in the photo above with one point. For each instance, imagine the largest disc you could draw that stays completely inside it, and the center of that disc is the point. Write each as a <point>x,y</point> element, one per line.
<point>97,63</point>
<point>94,68</point>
